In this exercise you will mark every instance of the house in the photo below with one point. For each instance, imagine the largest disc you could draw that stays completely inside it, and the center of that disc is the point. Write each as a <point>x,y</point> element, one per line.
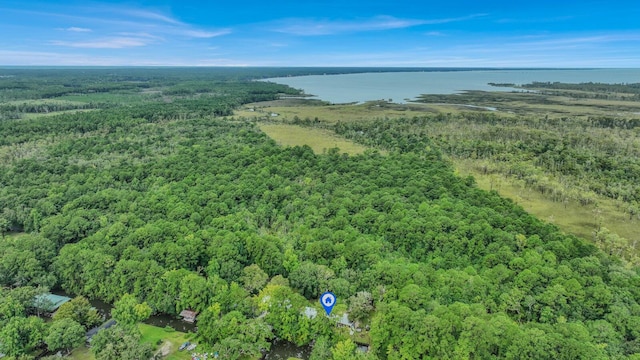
<point>344,321</point>
<point>92,332</point>
<point>310,312</point>
<point>49,303</point>
<point>188,315</point>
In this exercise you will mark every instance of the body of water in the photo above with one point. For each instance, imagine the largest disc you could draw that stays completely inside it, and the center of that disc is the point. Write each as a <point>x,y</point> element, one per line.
<point>401,87</point>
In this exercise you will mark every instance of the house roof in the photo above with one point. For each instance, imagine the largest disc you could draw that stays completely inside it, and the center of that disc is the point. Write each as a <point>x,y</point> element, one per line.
<point>188,313</point>
<point>50,302</point>
<point>310,312</point>
<point>344,320</point>
<point>95,330</point>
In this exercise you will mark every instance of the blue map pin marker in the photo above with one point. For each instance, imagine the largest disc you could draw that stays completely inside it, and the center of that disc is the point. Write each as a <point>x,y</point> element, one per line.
<point>328,300</point>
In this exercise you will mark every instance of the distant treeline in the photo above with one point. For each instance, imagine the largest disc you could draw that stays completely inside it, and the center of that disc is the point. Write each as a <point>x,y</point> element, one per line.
<point>590,86</point>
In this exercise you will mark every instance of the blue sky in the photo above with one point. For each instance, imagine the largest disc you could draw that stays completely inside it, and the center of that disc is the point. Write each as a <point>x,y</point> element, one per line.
<point>454,33</point>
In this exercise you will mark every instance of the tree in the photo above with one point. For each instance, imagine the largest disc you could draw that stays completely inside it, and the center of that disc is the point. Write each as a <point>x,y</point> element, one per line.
<point>321,349</point>
<point>79,310</point>
<point>195,292</point>
<point>128,311</point>
<point>116,343</point>
<point>4,226</point>
<point>253,278</point>
<point>311,279</point>
<point>65,334</point>
<point>20,335</point>
<point>249,335</point>
<point>360,305</point>
<point>346,350</point>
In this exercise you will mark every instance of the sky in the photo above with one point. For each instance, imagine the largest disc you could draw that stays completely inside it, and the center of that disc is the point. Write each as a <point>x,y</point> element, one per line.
<point>393,33</point>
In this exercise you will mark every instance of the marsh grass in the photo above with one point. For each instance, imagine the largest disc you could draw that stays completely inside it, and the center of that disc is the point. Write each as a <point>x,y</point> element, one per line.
<point>571,217</point>
<point>320,140</point>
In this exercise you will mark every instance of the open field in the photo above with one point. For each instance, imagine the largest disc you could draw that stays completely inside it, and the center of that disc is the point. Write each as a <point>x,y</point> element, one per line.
<point>57,101</point>
<point>320,140</point>
<point>333,113</point>
<point>168,339</point>
<point>53,113</point>
<point>571,217</point>
<point>123,98</point>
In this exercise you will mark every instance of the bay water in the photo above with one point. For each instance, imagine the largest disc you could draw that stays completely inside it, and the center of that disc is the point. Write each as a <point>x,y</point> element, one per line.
<point>402,87</point>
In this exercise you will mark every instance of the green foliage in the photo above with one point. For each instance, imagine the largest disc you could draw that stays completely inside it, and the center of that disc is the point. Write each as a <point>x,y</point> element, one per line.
<point>65,334</point>
<point>321,349</point>
<point>178,208</point>
<point>253,278</point>
<point>117,343</point>
<point>361,305</point>
<point>249,336</point>
<point>79,310</point>
<point>20,335</point>
<point>25,259</point>
<point>128,311</point>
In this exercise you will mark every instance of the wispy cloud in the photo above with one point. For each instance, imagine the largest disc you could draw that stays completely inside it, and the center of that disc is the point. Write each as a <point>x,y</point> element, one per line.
<point>123,28</point>
<point>105,43</point>
<point>534,20</point>
<point>308,27</point>
<point>204,34</point>
<point>77,29</point>
<point>151,15</point>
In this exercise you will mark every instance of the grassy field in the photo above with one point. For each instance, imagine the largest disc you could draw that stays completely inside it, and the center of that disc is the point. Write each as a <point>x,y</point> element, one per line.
<point>333,113</point>
<point>158,337</point>
<point>168,339</point>
<point>58,101</point>
<point>123,98</point>
<point>571,217</point>
<point>527,103</point>
<point>81,353</point>
<point>319,140</point>
<point>53,113</point>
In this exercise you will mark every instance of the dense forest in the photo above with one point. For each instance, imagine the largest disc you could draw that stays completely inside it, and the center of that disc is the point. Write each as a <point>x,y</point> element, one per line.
<point>157,200</point>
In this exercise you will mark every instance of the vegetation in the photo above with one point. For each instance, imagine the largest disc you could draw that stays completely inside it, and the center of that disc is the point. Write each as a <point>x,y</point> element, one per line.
<point>169,200</point>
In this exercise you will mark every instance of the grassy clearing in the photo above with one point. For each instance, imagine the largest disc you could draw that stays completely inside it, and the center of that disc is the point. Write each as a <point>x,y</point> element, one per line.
<point>118,98</point>
<point>572,218</point>
<point>82,353</point>
<point>14,235</point>
<point>319,140</point>
<point>57,101</point>
<point>29,116</point>
<point>527,103</point>
<point>168,338</point>
<point>334,113</point>
<point>156,336</point>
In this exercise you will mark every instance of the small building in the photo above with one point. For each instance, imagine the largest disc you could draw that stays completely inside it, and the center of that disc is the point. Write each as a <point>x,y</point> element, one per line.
<point>344,321</point>
<point>92,332</point>
<point>49,303</point>
<point>310,312</point>
<point>188,315</point>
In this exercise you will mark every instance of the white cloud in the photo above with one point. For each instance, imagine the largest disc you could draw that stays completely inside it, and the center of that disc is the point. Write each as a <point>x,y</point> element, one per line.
<point>204,34</point>
<point>151,15</point>
<point>77,29</point>
<point>105,43</point>
<point>308,27</point>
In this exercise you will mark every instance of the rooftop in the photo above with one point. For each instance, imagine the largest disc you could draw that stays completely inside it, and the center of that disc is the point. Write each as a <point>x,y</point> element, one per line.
<point>50,302</point>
